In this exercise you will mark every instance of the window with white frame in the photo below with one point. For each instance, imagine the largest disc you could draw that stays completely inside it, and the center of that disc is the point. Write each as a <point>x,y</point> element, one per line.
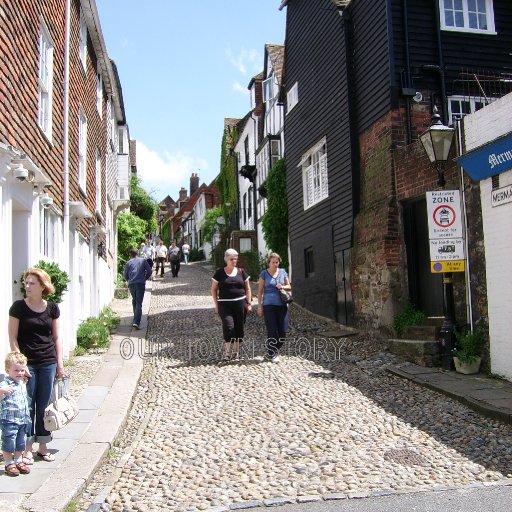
<point>83,41</point>
<point>467,15</point>
<point>48,227</point>
<point>82,150</point>
<point>459,106</point>
<point>121,141</point>
<point>275,151</point>
<point>245,244</point>
<point>111,125</point>
<point>98,181</point>
<point>99,94</point>
<point>244,207</point>
<point>292,97</point>
<point>314,175</point>
<point>45,82</point>
<point>268,89</point>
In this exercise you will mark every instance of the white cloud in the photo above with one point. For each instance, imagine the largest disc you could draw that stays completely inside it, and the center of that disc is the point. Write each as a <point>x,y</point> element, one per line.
<point>247,61</point>
<point>238,87</point>
<point>164,174</point>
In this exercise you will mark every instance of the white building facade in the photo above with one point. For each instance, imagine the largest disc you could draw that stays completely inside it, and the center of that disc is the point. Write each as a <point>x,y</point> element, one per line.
<point>487,138</point>
<point>64,172</point>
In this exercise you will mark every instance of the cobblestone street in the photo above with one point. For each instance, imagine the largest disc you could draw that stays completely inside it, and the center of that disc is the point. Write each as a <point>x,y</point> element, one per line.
<point>327,419</point>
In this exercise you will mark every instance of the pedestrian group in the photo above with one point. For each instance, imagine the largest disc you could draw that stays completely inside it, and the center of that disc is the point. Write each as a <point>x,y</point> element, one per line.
<point>36,361</point>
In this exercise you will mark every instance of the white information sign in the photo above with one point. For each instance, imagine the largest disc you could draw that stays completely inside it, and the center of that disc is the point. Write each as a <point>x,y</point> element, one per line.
<point>444,216</point>
<point>446,249</point>
<point>445,226</point>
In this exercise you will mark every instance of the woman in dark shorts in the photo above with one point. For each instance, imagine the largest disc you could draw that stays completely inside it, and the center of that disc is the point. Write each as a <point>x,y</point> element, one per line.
<point>231,292</point>
<point>34,330</point>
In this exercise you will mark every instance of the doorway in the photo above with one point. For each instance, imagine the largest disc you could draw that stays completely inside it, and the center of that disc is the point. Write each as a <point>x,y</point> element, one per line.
<point>344,301</point>
<point>425,288</point>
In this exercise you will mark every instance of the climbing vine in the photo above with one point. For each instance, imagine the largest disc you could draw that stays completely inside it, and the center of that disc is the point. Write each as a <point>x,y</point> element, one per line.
<point>226,181</point>
<point>275,220</point>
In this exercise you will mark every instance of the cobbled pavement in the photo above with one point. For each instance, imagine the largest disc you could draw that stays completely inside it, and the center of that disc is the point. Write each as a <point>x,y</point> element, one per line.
<point>327,421</point>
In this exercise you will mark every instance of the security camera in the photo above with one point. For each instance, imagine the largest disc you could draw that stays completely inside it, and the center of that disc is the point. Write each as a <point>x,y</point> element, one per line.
<point>20,173</point>
<point>46,201</point>
<point>418,97</point>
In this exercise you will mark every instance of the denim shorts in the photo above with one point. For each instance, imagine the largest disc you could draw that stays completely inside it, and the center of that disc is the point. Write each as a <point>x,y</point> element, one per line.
<point>14,436</point>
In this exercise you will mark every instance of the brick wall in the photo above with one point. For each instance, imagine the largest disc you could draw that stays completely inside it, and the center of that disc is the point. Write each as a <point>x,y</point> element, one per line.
<point>377,279</point>
<point>19,68</point>
<point>393,172</point>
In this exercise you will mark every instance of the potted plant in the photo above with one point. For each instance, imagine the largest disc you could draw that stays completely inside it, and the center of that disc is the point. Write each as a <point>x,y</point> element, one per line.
<point>468,349</point>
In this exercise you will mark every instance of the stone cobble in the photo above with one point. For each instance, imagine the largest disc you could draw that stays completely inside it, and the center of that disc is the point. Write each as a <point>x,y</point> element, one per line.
<point>326,421</point>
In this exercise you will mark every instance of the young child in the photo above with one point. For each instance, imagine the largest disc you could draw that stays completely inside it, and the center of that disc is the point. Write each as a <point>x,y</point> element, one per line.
<point>14,414</point>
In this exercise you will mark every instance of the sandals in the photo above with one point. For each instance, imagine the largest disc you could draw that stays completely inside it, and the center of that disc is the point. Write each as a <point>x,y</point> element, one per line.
<point>12,470</point>
<point>47,457</point>
<point>28,461</point>
<point>23,468</point>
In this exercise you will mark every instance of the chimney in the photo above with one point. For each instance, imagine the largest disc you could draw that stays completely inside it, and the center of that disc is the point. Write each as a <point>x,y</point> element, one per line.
<point>194,183</point>
<point>183,194</point>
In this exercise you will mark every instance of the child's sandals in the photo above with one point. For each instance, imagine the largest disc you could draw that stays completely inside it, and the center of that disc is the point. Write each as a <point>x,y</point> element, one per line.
<point>12,470</point>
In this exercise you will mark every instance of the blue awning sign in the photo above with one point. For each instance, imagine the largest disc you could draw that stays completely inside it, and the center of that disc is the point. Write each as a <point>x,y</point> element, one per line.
<point>488,160</point>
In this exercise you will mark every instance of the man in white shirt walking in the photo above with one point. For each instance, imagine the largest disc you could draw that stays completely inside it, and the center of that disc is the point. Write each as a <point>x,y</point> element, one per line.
<point>161,256</point>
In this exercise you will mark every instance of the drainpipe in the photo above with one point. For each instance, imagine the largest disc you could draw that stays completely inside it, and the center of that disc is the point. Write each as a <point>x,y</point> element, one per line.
<point>65,144</point>
<point>254,196</point>
<point>408,81</point>
<point>441,64</point>
<point>469,295</point>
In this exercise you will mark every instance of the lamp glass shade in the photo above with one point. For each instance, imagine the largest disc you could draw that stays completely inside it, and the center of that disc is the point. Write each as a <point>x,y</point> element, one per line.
<point>437,141</point>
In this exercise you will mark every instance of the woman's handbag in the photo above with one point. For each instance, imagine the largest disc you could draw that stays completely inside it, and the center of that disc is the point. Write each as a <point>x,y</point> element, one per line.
<point>286,296</point>
<point>62,408</point>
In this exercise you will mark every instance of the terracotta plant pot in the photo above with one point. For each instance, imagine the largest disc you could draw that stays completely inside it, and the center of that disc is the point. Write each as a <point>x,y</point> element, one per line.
<point>467,368</point>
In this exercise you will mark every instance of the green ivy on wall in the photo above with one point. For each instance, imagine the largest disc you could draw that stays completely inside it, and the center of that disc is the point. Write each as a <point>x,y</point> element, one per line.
<point>226,181</point>
<point>275,220</point>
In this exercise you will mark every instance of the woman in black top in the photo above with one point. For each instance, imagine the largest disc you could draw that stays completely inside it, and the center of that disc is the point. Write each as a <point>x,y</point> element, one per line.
<point>231,293</point>
<point>34,330</point>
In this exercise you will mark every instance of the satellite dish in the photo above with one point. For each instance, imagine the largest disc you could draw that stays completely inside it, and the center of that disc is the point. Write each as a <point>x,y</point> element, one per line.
<point>221,221</point>
<point>418,97</point>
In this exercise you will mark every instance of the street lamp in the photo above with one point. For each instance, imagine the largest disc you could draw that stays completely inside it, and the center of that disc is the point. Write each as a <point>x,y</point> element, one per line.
<point>437,142</point>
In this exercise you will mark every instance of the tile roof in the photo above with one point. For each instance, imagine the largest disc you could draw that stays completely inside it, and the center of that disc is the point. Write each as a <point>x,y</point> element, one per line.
<point>276,54</point>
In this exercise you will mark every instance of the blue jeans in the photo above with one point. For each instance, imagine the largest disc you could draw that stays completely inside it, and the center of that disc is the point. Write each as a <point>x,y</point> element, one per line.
<point>137,290</point>
<point>14,436</point>
<point>39,391</point>
<point>185,257</point>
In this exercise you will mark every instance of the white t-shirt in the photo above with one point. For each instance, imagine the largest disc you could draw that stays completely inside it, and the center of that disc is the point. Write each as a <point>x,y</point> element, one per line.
<point>161,251</point>
<point>185,248</point>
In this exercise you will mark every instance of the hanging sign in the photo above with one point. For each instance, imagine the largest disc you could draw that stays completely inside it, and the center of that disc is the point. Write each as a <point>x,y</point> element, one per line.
<point>488,160</point>
<point>445,231</point>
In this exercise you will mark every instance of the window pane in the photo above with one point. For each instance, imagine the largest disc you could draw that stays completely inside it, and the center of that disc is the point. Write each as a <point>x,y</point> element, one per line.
<point>482,21</point>
<point>459,19</point>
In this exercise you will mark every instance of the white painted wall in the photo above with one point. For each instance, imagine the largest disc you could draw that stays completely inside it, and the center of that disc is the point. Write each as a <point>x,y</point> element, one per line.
<point>480,128</point>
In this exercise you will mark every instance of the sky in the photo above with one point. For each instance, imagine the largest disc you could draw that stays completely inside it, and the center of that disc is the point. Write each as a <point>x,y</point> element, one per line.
<point>184,66</point>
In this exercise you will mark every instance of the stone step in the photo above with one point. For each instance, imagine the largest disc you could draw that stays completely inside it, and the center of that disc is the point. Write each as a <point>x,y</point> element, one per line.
<point>421,352</point>
<point>421,332</point>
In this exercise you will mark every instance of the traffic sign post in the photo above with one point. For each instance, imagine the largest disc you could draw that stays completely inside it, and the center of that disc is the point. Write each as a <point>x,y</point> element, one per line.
<point>447,255</point>
<point>445,231</point>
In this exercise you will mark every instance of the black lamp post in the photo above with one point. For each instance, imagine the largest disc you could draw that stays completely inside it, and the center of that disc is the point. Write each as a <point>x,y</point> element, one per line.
<point>437,142</point>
